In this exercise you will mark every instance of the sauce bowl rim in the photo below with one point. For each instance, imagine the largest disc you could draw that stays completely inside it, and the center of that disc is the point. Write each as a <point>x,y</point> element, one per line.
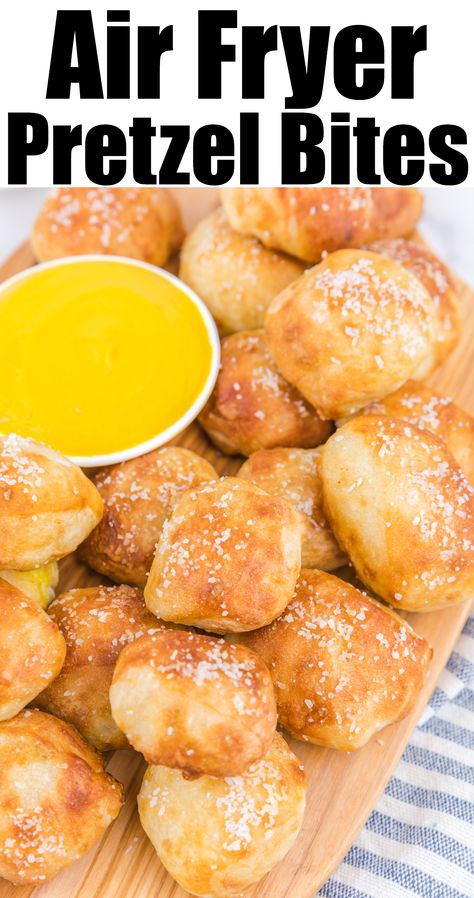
<point>163,436</point>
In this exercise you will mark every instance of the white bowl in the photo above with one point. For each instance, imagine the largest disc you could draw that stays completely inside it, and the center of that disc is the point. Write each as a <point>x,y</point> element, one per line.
<point>111,458</point>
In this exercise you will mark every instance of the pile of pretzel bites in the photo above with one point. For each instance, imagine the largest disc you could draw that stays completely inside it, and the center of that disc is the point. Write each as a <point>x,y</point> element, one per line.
<point>217,618</point>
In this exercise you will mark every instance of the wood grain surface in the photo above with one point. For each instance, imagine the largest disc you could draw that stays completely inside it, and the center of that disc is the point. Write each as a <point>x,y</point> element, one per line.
<point>342,788</point>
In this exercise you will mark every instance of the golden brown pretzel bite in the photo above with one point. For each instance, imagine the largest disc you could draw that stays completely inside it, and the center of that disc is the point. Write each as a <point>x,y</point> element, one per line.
<point>440,284</point>
<point>236,276</point>
<point>306,221</point>
<point>253,407</point>
<point>343,665</point>
<point>216,836</point>
<point>194,702</point>
<point>47,505</point>
<point>350,330</point>
<point>418,404</point>
<point>228,558</point>
<point>140,222</point>
<point>32,650</point>
<point>137,496</point>
<point>403,510</point>
<point>96,622</point>
<point>293,474</point>
<point>55,798</point>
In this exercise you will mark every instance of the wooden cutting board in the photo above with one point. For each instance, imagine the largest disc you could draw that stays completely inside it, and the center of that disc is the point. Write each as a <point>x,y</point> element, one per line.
<point>342,788</point>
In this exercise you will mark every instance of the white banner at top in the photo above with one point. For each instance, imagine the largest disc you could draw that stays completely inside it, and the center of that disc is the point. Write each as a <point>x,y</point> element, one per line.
<point>248,92</point>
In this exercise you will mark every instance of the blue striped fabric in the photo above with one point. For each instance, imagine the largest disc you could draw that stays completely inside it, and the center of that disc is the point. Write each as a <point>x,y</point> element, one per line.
<point>420,838</point>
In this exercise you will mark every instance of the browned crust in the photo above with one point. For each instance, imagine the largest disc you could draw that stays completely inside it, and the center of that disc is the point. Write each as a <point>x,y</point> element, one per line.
<point>96,622</point>
<point>194,702</point>
<point>417,404</point>
<point>32,650</point>
<point>141,222</point>
<point>403,510</point>
<point>228,558</point>
<point>47,505</point>
<point>293,474</point>
<point>55,798</point>
<point>234,274</point>
<point>252,406</point>
<point>343,665</point>
<point>218,835</point>
<point>350,330</point>
<point>440,284</point>
<point>306,221</point>
<point>137,497</point>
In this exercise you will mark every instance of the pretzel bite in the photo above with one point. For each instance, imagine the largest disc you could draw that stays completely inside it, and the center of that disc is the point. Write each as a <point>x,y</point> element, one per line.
<point>47,505</point>
<point>137,495</point>
<point>141,223</point>
<point>419,405</point>
<point>217,836</point>
<point>193,702</point>
<point>96,622</point>
<point>293,474</point>
<point>55,798</point>
<point>228,558</point>
<point>402,509</point>
<point>32,650</point>
<point>38,584</point>
<point>253,407</point>
<point>305,221</point>
<point>350,330</point>
<point>343,665</point>
<point>440,284</point>
<point>236,276</point>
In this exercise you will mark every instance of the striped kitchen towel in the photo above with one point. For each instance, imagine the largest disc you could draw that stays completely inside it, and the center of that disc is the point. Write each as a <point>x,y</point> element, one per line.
<point>419,840</point>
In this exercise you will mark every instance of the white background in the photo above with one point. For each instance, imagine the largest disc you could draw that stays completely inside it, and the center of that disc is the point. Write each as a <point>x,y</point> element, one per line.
<point>443,80</point>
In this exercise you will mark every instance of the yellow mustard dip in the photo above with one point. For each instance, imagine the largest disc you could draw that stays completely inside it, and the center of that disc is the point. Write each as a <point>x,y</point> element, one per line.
<point>98,356</point>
